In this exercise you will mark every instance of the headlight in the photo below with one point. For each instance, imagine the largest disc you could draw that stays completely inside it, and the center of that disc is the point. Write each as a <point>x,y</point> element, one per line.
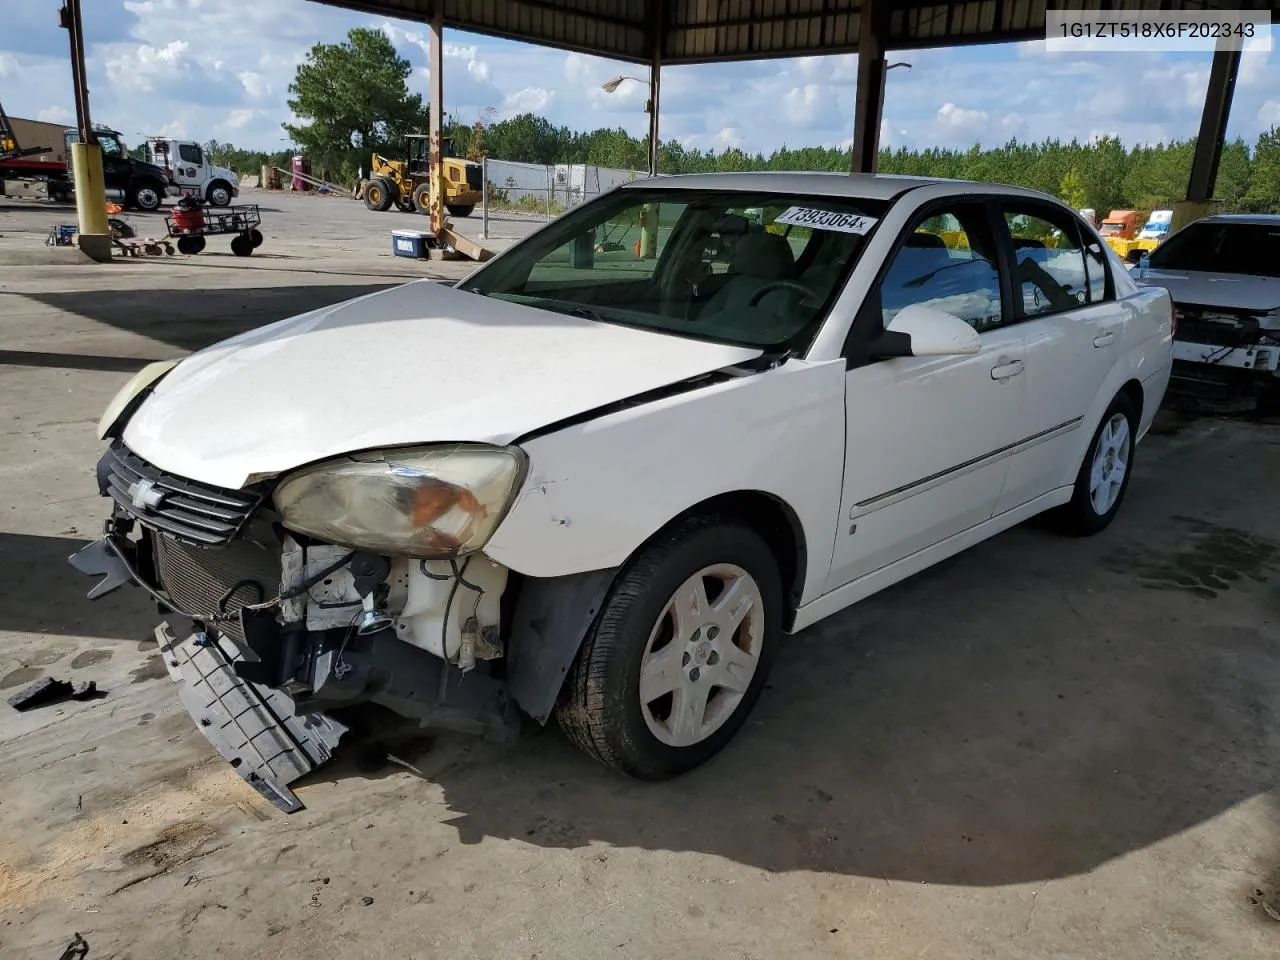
<point>436,501</point>
<point>143,380</point>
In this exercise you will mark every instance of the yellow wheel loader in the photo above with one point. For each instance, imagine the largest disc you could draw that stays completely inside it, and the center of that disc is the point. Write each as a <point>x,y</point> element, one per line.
<point>405,184</point>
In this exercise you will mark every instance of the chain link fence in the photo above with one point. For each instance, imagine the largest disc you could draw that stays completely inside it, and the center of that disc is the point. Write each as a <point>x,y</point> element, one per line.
<point>516,194</point>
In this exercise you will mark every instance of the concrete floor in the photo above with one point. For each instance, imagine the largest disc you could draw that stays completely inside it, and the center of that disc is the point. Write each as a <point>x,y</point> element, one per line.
<point>1044,748</point>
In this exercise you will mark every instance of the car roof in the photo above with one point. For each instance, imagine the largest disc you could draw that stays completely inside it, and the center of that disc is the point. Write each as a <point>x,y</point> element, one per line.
<point>867,186</point>
<point>1257,219</point>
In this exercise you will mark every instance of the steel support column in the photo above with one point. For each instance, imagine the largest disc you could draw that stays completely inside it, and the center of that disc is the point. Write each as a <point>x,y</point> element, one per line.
<point>656,31</point>
<point>869,105</point>
<point>93,232</point>
<point>1213,124</point>
<point>435,94</point>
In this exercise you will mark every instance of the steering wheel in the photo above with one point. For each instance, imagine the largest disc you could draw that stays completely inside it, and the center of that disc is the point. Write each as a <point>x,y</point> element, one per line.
<point>792,285</point>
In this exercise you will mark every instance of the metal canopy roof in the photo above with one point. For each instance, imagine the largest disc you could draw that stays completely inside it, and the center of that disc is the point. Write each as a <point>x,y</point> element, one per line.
<point>706,31</point>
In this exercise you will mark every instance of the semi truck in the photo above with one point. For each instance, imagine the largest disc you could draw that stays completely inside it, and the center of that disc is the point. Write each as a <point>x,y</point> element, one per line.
<point>33,150</point>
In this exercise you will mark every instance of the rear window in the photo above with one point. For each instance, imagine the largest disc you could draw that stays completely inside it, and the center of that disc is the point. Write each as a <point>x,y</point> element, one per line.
<point>1246,248</point>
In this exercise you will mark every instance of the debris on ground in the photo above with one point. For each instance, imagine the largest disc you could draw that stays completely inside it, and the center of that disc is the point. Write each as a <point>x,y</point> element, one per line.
<point>77,949</point>
<point>41,693</point>
<point>50,690</point>
<point>366,901</point>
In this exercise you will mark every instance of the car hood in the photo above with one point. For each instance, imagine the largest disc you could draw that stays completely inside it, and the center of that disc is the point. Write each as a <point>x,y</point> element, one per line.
<point>419,363</point>
<point>1232,291</point>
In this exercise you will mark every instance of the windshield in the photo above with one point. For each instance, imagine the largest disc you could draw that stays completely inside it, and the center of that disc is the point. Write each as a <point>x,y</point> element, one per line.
<point>746,268</point>
<point>1218,247</point>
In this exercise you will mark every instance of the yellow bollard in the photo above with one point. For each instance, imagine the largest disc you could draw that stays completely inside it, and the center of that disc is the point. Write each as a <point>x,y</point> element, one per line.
<point>649,231</point>
<point>91,200</point>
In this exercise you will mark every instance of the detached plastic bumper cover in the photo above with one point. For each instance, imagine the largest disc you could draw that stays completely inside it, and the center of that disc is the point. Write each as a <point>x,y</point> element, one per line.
<point>255,728</point>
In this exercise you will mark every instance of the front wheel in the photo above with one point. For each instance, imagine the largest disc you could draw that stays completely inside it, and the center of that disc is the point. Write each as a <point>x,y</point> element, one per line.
<point>1104,475</point>
<point>460,209</point>
<point>219,194</point>
<point>679,653</point>
<point>377,195</point>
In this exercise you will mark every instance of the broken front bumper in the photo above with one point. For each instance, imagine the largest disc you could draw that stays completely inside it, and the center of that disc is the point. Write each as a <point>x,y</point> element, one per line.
<point>256,729</point>
<point>260,690</point>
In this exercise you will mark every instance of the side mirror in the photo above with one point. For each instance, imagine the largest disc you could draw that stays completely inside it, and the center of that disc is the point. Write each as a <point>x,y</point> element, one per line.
<point>919,331</point>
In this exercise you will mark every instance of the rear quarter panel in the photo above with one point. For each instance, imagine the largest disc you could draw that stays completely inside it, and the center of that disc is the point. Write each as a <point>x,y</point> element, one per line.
<point>596,491</point>
<point>1146,356</point>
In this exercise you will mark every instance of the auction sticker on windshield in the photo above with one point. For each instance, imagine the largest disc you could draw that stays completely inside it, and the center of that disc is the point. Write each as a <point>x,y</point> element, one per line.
<point>825,220</point>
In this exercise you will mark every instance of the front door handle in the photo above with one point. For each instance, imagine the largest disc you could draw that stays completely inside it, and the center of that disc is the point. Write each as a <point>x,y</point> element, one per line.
<point>1103,339</point>
<point>1006,369</point>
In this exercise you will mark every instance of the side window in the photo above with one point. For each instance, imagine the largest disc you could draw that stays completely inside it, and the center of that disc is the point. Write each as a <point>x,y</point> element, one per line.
<point>613,252</point>
<point>1052,267</point>
<point>190,153</point>
<point>947,262</point>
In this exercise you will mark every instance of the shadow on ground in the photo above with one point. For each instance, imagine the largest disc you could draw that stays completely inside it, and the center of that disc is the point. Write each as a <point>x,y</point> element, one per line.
<point>1026,711</point>
<point>42,594</point>
<point>194,318</point>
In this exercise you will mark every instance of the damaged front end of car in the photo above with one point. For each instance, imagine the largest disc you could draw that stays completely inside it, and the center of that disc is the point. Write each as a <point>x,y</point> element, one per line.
<point>272,623</point>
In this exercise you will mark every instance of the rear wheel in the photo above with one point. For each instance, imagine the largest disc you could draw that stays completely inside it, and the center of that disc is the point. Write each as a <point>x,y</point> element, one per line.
<point>460,209</point>
<point>190,245</point>
<point>255,235</point>
<point>377,195</point>
<point>1104,475</point>
<point>147,196</point>
<point>680,652</point>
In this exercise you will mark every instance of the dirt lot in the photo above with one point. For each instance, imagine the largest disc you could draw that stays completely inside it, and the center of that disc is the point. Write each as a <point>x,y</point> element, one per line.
<point>1042,749</point>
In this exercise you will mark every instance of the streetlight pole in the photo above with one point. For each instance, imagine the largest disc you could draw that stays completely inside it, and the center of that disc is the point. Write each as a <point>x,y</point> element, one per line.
<point>650,107</point>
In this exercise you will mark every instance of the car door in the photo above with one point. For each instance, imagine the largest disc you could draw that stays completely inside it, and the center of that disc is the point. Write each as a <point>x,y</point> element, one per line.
<point>1074,330</point>
<point>927,438</point>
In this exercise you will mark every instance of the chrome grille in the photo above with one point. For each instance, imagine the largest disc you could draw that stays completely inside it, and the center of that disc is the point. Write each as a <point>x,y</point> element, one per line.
<point>190,511</point>
<point>210,581</point>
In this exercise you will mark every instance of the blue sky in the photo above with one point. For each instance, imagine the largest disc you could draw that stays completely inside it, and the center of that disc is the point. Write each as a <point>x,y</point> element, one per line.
<point>221,69</point>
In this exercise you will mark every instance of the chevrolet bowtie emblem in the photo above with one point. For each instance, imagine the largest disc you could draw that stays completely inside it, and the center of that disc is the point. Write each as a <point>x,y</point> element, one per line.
<point>145,494</point>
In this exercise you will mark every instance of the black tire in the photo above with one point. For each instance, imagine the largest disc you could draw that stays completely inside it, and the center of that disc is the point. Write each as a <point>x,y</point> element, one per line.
<point>378,195</point>
<point>459,209</point>
<point>190,245</point>
<point>147,195</point>
<point>600,708</point>
<point>242,245</point>
<point>255,235</point>
<point>219,194</point>
<point>422,198</point>
<point>1081,517</point>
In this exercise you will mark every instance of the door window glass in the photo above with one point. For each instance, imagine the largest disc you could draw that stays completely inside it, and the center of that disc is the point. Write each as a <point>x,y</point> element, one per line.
<point>190,153</point>
<point>947,262</point>
<point>1050,260</point>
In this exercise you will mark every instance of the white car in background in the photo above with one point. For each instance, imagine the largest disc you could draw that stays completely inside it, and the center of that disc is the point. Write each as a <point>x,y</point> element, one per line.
<point>606,474</point>
<point>1223,273</point>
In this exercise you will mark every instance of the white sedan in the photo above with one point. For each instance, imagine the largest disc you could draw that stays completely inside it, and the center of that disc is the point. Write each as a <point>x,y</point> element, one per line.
<point>609,472</point>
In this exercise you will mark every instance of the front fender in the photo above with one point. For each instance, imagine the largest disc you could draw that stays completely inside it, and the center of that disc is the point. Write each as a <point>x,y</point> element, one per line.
<point>596,491</point>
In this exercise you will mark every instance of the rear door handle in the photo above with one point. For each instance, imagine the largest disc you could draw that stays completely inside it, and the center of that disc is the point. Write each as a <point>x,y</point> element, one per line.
<point>1104,338</point>
<point>1005,370</point>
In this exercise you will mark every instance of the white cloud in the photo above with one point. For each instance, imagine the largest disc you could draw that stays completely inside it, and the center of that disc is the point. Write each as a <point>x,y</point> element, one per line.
<point>55,115</point>
<point>8,65</point>
<point>237,119</point>
<point>1269,114</point>
<point>727,137</point>
<point>528,100</point>
<point>254,83</point>
<point>144,68</point>
<point>802,103</point>
<point>960,118</point>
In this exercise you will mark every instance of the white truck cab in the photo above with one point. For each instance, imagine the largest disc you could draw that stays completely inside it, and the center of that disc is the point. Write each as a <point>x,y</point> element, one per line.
<point>189,169</point>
